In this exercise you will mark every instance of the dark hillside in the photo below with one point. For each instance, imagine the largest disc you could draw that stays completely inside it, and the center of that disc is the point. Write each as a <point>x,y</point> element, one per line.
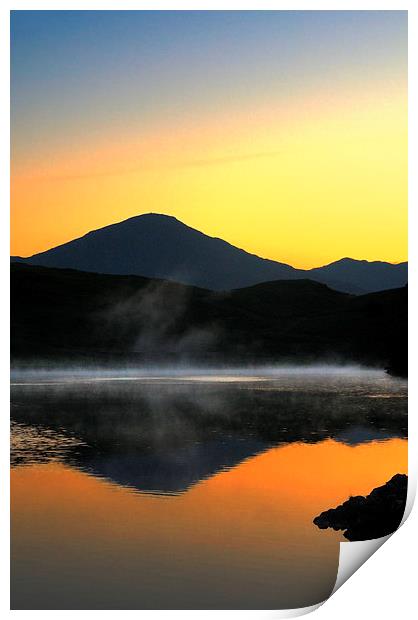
<point>58,313</point>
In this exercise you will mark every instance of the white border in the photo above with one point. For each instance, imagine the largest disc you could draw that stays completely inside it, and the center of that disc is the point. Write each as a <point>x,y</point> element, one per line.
<point>386,585</point>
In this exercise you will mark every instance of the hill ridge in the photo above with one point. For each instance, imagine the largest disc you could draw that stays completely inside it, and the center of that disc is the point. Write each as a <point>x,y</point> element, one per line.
<point>89,315</point>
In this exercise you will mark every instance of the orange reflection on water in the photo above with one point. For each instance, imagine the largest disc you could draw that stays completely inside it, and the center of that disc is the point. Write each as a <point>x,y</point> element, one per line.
<point>243,538</point>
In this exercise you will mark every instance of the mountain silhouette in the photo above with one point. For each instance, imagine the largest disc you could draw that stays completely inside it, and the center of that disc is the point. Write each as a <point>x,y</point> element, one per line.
<point>160,246</point>
<point>368,276</point>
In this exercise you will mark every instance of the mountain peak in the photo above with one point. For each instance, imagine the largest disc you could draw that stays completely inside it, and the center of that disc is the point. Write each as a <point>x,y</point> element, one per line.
<point>154,216</point>
<point>149,218</point>
<point>156,245</point>
<point>347,259</point>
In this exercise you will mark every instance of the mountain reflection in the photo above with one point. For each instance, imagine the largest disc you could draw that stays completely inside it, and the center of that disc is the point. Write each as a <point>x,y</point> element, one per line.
<point>164,437</point>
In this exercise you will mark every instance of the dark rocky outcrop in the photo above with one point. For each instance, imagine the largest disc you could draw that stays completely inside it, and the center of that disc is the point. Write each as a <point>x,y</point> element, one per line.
<point>374,516</point>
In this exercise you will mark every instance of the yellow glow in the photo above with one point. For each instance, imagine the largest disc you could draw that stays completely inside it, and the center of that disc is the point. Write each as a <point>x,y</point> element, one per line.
<point>304,182</point>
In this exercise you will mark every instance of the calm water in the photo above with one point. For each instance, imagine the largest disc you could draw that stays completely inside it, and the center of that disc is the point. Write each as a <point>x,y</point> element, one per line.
<point>191,490</point>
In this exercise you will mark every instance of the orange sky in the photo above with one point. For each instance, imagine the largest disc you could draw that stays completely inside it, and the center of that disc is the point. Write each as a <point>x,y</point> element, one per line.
<point>306,167</point>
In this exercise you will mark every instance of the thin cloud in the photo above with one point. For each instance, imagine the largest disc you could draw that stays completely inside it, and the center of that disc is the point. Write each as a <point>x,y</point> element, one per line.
<point>193,163</point>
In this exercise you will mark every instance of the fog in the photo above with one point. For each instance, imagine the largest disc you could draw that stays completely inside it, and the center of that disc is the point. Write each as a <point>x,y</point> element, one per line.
<point>155,318</point>
<point>193,373</point>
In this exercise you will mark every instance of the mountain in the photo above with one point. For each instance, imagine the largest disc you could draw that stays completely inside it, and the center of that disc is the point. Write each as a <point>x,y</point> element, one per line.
<point>160,246</point>
<point>368,276</point>
<point>63,313</point>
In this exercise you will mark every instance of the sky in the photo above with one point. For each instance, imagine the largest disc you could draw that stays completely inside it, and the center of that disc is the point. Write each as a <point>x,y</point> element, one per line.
<point>282,132</point>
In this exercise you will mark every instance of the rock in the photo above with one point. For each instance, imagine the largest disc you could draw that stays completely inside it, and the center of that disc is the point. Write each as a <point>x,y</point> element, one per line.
<point>364,518</point>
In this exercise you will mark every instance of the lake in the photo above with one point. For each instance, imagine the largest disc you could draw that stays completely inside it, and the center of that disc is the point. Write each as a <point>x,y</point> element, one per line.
<point>191,488</point>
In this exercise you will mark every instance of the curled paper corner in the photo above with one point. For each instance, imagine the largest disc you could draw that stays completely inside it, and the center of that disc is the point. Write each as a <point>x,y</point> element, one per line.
<point>353,554</point>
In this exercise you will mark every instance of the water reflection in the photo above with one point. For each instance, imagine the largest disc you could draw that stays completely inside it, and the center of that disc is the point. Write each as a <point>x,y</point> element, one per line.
<point>163,436</point>
<point>33,444</point>
<point>137,494</point>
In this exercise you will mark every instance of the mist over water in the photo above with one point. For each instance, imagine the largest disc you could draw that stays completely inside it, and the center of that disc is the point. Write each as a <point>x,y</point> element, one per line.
<point>189,372</point>
<point>170,408</point>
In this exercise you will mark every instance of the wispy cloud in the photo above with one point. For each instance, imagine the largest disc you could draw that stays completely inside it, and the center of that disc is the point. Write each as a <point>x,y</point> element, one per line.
<point>178,165</point>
